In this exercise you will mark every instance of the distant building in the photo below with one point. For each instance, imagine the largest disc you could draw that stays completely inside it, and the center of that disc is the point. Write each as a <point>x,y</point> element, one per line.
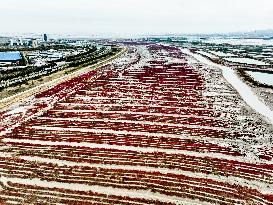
<point>11,42</point>
<point>21,41</point>
<point>34,43</point>
<point>45,38</point>
<point>15,42</point>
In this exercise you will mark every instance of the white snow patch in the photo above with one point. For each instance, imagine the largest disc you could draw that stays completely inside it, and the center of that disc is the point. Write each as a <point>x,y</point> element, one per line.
<point>145,194</point>
<point>140,149</point>
<point>142,122</point>
<point>17,110</point>
<point>222,54</point>
<point>264,188</point>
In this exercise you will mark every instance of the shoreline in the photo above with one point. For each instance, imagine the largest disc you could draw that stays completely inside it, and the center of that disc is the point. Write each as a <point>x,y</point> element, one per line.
<point>246,92</point>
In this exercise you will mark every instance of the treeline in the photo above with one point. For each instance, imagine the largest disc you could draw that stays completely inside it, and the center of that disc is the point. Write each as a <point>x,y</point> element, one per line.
<point>20,72</point>
<point>94,58</point>
<point>89,52</point>
<point>40,48</point>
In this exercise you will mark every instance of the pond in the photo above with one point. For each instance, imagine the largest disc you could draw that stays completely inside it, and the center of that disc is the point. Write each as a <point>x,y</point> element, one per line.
<point>261,77</point>
<point>246,61</point>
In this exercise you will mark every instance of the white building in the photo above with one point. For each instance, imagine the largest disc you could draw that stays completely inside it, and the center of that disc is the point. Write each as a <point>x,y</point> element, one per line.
<point>34,43</point>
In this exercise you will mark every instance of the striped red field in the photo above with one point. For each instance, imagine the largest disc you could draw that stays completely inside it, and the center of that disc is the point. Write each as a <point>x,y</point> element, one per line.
<point>152,127</point>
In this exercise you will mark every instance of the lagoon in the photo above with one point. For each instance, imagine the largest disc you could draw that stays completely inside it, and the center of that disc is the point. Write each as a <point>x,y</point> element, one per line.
<point>261,77</point>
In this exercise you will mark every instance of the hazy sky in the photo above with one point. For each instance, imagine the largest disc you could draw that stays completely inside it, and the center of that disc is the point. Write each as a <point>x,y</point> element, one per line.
<point>134,16</point>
